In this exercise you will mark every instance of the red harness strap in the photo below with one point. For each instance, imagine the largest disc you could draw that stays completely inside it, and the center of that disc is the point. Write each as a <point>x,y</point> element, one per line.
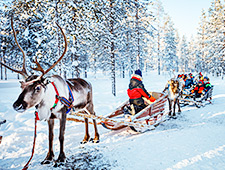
<point>57,94</point>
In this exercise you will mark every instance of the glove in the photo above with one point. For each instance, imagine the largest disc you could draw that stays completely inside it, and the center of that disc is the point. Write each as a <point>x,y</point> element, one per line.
<point>152,99</point>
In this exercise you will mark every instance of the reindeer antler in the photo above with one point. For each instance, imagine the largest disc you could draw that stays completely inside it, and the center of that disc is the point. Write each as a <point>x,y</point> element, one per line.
<point>23,72</point>
<point>39,68</point>
<point>64,52</point>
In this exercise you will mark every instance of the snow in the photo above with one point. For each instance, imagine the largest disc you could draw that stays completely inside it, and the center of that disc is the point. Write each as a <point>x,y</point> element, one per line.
<point>193,141</point>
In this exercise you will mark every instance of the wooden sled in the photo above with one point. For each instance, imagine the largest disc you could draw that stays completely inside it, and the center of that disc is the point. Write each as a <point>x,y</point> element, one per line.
<point>146,119</point>
<point>198,102</point>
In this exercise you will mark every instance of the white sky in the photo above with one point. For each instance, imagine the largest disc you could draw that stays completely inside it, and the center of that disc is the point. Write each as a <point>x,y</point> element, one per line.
<point>186,14</point>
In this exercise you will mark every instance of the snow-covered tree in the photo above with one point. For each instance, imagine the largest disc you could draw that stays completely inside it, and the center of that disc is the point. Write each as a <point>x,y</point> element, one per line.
<point>159,16</point>
<point>184,55</point>
<point>170,47</point>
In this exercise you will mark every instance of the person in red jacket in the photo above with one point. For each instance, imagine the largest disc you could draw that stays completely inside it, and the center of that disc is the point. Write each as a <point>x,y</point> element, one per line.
<point>137,91</point>
<point>198,90</point>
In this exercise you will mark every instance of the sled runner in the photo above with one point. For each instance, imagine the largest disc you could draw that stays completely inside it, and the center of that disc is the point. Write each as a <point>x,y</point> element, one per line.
<point>188,98</point>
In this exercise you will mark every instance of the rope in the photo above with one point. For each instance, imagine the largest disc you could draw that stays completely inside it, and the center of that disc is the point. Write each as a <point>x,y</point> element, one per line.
<point>35,135</point>
<point>117,122</point>
<point>78,120</point>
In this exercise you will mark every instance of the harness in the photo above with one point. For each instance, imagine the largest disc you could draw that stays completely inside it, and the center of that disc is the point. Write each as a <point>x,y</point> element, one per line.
<point>56,98</point>
<point>63,100</point>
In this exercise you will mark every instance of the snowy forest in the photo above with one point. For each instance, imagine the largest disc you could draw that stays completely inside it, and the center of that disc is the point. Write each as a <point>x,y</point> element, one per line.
<point>114,37</point>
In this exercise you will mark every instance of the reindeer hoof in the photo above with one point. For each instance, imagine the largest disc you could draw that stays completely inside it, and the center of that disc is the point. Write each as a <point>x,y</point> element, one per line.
<point>83,142</point>
<point>86,140</point>
<point>61,158</point>
<point>174,117</point>
<point>48,159</point>
<point>94,140</point>
<point>46,162</point>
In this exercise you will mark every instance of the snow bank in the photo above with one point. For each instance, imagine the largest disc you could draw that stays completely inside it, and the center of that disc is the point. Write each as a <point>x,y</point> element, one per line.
<point>193,141</point>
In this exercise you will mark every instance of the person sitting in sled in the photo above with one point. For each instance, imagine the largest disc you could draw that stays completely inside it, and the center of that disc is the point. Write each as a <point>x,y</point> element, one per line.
<point>207,84</point>
<point>199,77</point>
<point>137,91</point>
<point>199,89</point>
<point>188,82</point>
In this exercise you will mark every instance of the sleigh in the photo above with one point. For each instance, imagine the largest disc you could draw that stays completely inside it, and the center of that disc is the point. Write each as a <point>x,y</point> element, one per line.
<point>187,98</point>
<point>146,119</point>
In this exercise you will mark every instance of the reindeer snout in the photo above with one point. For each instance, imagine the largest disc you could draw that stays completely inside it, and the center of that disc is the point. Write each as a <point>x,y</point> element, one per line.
<point>20,106</point>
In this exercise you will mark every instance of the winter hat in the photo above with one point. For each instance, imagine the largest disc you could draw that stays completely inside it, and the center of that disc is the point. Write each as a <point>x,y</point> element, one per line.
<point>138,72</point>
<point>200,82</point>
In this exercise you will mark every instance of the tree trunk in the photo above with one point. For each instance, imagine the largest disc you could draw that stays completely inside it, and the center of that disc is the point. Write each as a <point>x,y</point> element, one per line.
<point>113,74</point>
<point>158,46</point>
<point>1,70</point>
<point>5,73</point>
<point>138,37</point>
<point>58,37</point>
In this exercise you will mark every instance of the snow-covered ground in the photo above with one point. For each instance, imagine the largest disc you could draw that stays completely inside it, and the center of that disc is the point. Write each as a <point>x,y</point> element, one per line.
<point>196,140</point>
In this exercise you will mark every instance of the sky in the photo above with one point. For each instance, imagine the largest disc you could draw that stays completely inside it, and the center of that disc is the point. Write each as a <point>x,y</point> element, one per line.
<point>186,14</point>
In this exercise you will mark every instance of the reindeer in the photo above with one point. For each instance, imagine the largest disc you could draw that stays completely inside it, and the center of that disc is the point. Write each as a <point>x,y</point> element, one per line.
<point>49,95</point>
<point>173,88</point>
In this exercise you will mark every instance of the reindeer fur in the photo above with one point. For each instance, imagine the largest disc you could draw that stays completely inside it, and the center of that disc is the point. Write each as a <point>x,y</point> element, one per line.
<point>174,91</point>
<point>41,94</point>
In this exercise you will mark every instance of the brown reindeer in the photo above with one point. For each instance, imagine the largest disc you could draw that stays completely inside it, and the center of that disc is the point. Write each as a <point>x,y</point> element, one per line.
<point>49,95</point>
<point>173,89</point>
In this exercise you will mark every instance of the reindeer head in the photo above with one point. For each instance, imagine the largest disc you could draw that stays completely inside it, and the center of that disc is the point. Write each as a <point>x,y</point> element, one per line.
<point>33,88</point>
<point>32,93</point>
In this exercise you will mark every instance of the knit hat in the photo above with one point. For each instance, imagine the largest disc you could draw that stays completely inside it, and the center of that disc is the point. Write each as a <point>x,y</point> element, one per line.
<point>200,82</point>
<point>138,72</point>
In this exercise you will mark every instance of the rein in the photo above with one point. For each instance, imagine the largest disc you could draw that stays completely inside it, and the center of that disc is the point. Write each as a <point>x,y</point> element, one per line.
<point>35,135</point>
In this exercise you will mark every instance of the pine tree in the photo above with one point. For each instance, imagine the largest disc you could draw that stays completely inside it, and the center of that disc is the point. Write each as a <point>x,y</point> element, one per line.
<point>170,46</point>
<point>158,33</point>
<point>184,55</point>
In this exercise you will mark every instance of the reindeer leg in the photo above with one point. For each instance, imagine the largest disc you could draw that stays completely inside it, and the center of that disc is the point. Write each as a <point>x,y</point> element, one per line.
<point>50,154</point>
<point>62,156</point>
<point>96,139</point>
<point>90,109</point>
<point>174,107</point>
<point>178,104</point>
<point>87,136</point>
<point>170,108</point>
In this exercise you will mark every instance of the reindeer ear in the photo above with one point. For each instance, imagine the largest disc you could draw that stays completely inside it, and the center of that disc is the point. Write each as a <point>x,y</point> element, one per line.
<point>22,84</point>
<point>46,81</point>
